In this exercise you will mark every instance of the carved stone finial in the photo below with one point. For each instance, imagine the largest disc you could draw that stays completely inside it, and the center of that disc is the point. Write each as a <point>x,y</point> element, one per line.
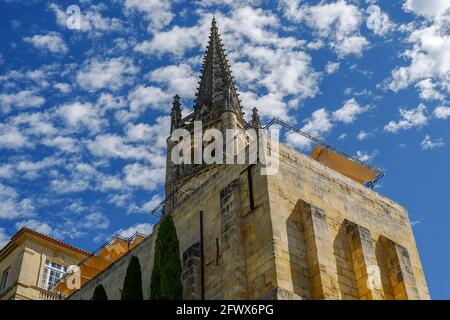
<point>256,120</point>
<point>176,113</point>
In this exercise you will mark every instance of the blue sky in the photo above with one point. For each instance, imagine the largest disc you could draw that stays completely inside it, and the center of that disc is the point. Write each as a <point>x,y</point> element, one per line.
<point>84,112</point>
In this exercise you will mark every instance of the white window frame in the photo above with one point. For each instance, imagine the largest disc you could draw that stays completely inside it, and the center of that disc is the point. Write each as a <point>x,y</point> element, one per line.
<point>52,273</point>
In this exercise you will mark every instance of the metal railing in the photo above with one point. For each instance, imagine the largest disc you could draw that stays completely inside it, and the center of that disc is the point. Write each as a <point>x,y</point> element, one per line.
<point>94,253</point>
<point>328,146</point>
<point>276,120</point>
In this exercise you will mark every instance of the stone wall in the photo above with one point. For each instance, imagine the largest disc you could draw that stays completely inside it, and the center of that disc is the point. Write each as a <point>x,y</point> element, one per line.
<point>306,233</point>
<point>303,183</point>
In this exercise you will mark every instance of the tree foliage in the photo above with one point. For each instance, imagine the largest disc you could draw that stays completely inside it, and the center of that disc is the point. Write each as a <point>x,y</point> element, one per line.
<point>99,293</point>
<point>166,274</point>
<point>132,285</point>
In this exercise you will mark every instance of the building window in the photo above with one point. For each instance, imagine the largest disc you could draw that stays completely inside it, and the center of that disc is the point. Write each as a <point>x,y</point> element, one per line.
<point>4,282</point>
<point>52,273</point>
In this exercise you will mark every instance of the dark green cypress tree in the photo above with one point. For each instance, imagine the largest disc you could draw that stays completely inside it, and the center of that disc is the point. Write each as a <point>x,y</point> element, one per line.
<point>132,285</point>
<point>166,273</point>
<point>99,293</point>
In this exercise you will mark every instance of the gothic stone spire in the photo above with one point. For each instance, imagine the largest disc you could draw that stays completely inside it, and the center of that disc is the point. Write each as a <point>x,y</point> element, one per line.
<point>217,92</point>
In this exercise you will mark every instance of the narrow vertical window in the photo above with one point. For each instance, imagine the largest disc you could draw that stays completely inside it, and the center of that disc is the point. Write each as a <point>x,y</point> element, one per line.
<point>4,281</point>
<point>250,187</point>
<point>217,251</point>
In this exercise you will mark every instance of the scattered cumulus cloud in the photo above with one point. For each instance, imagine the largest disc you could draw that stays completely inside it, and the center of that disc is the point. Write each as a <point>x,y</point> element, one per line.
<point>4,238</point>
<point>13,207</point>
<point>143,228</point>
<point>365,156</point>
<point>349,112</point>
<point>51,42</point>
<point>410,118</point>
<point>429,144</point>
<point>378,21</point>
<point>332,67</point>
<point>362,135</point>
<point>35,225</point>
<point>23,99</point>
<point>442,112</point>
<point>100,73</point>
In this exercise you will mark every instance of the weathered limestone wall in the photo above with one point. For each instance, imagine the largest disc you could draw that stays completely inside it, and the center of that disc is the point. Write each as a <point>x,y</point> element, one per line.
<point>301,267</point>
<point>239,259</point>
<point>306,233</point>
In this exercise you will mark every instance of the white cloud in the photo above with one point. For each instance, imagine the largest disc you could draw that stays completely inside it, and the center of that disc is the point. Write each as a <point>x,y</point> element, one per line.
<point>429,60</point>
<point>35,225</point>
<point>428,144</point>
<point>428,90</point>
<point>378,21</point>
<point>66,144</point>
<point>12,138</point>
<point>431,9</point>
<point>155,134</point>
<point>153,97</point>
<point>157,12</point>
<point>285,71</point>
<point>145,208</point>
<point>269,105</point>
<point>51,42</point>
<point>137,175</point>
<point>79,114</point>
<point>321,122</point>
<point>22,100</point>
<point>114,146</point>
<point>92,20</point>
<point>63,87</point>
<point>143,228</point>
<point>6,171</point>
<point>179,79</point>
<point>442,112</point>
<point>12,207</point>
<point>366,157</point>
<point>110,73</point>
<point>317,125</point>
<point>95,220</point>
<point>31,169</point>
<point>349,111</point>
<point>4,238</point>
<point>342,136</point>
<point>362,135</point>
<point>37,124</point>
<point>338,21</point>
<point>177,40</point>
<point>332,67</point>
<point>409,119</point>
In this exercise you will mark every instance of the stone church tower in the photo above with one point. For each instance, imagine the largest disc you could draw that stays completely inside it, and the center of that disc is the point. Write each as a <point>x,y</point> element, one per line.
<point>308,232</point>
<point>217,106</point>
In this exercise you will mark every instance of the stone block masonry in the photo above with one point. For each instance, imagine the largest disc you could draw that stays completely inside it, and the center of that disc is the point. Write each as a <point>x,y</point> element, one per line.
<point>305,233</point>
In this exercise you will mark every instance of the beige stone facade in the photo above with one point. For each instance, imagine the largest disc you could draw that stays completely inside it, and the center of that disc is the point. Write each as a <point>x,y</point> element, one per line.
<point>307,232</point>
<point>23,262</point>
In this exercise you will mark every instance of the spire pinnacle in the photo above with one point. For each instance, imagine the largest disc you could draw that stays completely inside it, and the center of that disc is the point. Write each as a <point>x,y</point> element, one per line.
<point>175,115</point>
<point>216,91</point>
<point>256,120</point>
